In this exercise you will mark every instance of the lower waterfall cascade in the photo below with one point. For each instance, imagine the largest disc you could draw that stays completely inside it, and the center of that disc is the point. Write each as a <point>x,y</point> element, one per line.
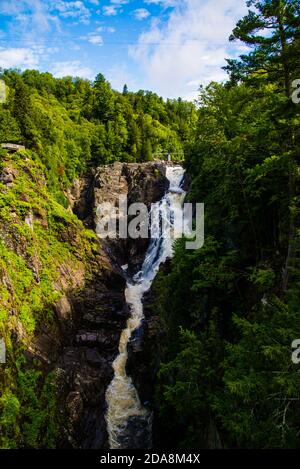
<point>125,413</point>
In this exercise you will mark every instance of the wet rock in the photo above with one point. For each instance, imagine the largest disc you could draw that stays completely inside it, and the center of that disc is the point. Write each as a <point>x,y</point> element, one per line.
<point>86,362</point>
<point>8,176</point>
<point>74,404</point>
<point>64,308</point>
<point>186,183</point>
<point>137,433</point>
<point>145,351</point>
<point>141,183</point>
<point>94,358</point>
<point>81,198</point>
<point>102,339</point>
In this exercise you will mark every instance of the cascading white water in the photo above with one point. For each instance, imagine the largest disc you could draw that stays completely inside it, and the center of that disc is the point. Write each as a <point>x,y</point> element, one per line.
<point>122,398</point>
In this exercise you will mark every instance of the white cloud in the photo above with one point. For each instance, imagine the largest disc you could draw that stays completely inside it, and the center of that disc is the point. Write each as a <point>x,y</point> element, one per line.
<point>75,9</point>
<point>119,74</point>
<point>192,45</point>
<point>164,3</point>
<point>106,29</point>
<point>141,13</point>
<point>33,17</point>
<point>18,58</point>
<point>73,68</point>
<point>110,10</point>
<point>119,2</point>
<point>114,8</point>
<point>95,39</point>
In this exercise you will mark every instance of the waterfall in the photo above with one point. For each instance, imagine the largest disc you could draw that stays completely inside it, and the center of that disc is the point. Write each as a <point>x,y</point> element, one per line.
<point>126,417</point>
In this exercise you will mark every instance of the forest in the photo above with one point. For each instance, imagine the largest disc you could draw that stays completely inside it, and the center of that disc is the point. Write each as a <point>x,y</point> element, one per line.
<point>230,309</point>
<point>71,123</point>
<point>234,307</point>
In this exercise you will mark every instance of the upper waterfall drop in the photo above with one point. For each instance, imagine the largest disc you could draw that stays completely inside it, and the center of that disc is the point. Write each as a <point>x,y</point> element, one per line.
<point>124,406</point>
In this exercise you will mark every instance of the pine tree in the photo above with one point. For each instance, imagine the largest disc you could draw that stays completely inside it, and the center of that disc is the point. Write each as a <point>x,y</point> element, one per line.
<point>22,110</point>
<point>104,99</point>
<point>273,56</point>
<point>274,59</point>
<point>147,150</point>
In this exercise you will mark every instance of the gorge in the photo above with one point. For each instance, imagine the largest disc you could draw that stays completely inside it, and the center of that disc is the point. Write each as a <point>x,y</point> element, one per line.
<point>89,359</point>
<point>122,342</point>
<point>124,405</point>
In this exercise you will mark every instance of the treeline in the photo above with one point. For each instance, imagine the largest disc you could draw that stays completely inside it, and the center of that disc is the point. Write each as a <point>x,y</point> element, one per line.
<point>231,309</point>
<point>69,123</point>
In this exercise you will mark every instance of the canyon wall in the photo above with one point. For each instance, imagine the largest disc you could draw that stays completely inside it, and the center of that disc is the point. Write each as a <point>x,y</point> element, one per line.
<point>62,299</point>
<point>99,309</point>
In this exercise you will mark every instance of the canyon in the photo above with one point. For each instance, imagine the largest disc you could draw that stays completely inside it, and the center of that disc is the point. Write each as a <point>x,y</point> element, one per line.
<point>100,311</point>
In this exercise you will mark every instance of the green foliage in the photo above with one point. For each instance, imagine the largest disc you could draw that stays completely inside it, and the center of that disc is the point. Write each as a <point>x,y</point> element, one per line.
<point>40,241</point>
<point>69,124</point>
<point>29,418</point>
<point>39,412</point>
<point>186,384</point>
<point>10,410</point>
<point>65,124</point>
<point>9,130</point>
<point>259,406</point>
<point>275,56</point>
<point>231,308</point>
<point>241,290</point>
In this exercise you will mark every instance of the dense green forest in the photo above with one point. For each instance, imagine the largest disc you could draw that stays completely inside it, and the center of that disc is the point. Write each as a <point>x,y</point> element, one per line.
<point>70,123</point>
<point>233,306</point>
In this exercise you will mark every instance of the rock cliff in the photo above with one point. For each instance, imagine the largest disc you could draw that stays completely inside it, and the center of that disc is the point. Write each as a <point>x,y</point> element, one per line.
<point>146,183</point>
<point>100,311</point>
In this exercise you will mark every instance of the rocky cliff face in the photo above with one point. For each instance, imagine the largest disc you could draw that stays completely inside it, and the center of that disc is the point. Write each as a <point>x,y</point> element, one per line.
<point>99,309</point>
<point>46,259</point>
<point>143,183</point>
<point>84,370</point>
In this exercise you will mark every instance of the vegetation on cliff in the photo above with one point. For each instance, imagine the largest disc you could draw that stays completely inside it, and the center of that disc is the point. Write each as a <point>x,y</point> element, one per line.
<point>44,254</point>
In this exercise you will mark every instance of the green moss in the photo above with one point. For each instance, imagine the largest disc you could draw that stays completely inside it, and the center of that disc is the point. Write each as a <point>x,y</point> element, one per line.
<point>10,411</point>
<point>32,255</point>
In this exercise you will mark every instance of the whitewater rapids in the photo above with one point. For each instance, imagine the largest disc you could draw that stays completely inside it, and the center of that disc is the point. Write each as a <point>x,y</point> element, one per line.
<point>125,413</point>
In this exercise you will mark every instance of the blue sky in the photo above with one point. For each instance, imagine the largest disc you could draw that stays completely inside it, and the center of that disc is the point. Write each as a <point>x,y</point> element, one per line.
<point>168,46</point>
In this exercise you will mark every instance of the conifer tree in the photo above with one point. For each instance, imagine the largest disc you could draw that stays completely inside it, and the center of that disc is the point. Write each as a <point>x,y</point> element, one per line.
<point>271,29</point>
